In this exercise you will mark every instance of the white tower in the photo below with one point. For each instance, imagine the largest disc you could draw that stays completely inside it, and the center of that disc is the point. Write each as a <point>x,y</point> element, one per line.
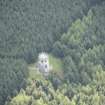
<point>43,63</point>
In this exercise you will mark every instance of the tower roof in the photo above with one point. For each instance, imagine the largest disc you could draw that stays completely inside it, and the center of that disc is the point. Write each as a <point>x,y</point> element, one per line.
<point>43,55</point>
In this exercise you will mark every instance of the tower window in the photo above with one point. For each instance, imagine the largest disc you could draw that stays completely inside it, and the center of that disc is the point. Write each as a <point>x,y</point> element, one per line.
<point>45,66</point>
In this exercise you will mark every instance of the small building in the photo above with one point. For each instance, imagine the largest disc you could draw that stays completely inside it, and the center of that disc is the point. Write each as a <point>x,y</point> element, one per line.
<point>43,63</point>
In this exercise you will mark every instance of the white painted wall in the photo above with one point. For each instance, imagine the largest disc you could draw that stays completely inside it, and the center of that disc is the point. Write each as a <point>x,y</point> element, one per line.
<point>43,63</point>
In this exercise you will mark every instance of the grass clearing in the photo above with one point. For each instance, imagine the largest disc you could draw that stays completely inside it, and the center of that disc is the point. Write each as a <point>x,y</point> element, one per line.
<point>56,63</point>
<point>34,73</point>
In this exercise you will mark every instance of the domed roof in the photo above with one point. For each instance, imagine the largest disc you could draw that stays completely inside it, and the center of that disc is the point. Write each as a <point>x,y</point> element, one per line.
<point>43,55</point>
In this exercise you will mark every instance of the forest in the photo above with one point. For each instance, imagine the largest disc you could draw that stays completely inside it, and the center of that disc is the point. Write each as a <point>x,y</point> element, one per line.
<point>72,32</point>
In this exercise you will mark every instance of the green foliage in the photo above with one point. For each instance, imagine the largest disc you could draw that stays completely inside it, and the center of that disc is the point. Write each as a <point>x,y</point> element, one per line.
<point>20,99</point>
<point>81,48</point>
<point>12,77</point>
<point>72,31</point>
<point>28,27</point>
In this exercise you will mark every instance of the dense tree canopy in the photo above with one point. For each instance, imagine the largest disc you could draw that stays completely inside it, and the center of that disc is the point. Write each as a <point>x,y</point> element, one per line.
<point>73,31</point>
<point>12,77</point>
<point>83,46</point>
<point>30,26</point>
